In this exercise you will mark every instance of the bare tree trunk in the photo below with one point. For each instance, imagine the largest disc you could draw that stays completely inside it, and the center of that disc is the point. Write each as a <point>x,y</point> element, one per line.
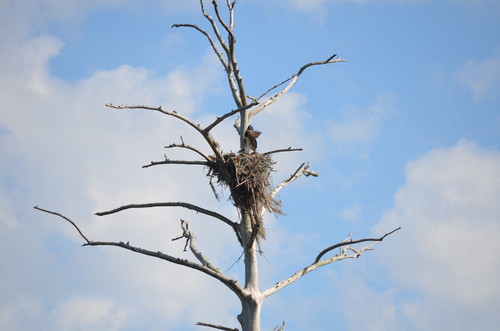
<point>250,314</point>
<point>251,302</point>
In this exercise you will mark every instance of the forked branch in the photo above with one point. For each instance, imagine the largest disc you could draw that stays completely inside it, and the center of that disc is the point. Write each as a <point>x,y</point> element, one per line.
<point>230,283</point>
<point>191,241</point>
<point>352,242</point>
<point>206,134</point>
<point>291,81</point>
<point>319,263</point>
<point>302,170</point>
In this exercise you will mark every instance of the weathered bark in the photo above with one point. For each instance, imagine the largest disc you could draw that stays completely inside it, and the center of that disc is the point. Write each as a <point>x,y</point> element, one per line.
<point>250,314</point>
<point>251,302</point>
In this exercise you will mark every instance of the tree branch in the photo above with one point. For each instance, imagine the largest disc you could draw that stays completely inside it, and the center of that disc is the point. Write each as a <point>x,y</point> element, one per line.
<point>191,239</point>
<point>209,139</point>
<point>280,328</point>
<point>220,327</point>
<point>182,145</point>
<point>67,219</point>
<point>161,110</point>
<point>292,80</point>
<point>210,40</point>
<point>228,114</point>
<point>302,170</point>
<point>289,149</point>
<point>326,250</point>
<point>230,283</point>
<point>171,204</point>
<point>319,263</point>
<point>296,276</point>
<point>153,163</point>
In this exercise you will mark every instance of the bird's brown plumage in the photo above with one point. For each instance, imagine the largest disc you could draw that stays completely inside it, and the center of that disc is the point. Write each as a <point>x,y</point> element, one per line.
<point>251,136</point>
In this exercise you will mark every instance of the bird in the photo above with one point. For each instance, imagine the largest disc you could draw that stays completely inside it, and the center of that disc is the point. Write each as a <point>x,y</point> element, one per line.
<point>251,136</point>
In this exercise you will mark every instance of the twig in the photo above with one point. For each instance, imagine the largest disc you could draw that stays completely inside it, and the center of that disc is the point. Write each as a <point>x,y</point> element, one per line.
<point>67,219</point>
<point>186,162</point>
<point>182,145</point>
<point>289,149</point>
<point>280,328</point>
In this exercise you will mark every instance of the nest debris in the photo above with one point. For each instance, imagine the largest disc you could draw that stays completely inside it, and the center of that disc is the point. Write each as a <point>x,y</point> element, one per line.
<point>248,178</point>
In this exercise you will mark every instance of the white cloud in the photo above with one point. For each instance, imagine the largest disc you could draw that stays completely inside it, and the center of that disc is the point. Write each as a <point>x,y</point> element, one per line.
<point>449,213</point>
<point>482,78</point>
<point>84,313</point>
<point>63,150</point>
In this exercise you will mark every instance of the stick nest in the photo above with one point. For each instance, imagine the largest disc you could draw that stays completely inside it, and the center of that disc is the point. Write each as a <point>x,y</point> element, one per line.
<point>248,178</point>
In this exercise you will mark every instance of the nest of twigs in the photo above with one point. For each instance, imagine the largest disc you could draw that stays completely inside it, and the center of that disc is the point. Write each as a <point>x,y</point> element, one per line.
<point>248,178</point>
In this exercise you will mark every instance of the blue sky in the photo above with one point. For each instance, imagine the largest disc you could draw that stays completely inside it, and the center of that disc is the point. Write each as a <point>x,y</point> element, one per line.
<point>405,133</point>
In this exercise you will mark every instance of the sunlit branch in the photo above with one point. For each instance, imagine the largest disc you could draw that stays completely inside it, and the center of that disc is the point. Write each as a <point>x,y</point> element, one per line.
<point>300,170</point>
<point>292,80</point>
<point>302,272</point>
<point>191,241</point>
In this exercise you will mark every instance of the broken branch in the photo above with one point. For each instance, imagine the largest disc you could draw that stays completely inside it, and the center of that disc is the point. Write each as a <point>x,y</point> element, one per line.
<point>191,240</point>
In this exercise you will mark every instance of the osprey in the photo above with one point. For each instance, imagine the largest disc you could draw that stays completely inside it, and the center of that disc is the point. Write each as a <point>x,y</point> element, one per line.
<point>251,140</point>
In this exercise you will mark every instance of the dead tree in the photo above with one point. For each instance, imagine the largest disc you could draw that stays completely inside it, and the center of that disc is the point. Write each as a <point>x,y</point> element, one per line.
<point>245,175</point>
